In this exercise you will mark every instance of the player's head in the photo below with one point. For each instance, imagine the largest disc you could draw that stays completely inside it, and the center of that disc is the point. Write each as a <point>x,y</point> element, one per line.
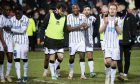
<point>6,9</point>
<point>75,9</point>
<point>122,8</point>
<point>61,8</point>
<point>104,10</point>
<point>112,9</point>
<point>18,12</point>
<point>87,10</point>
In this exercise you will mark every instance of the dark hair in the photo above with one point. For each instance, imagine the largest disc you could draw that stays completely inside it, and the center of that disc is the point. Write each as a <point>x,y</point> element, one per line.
<point>86,6</point>
<point>61,5</point>
<point>18,7</point>
<point>124,4</point>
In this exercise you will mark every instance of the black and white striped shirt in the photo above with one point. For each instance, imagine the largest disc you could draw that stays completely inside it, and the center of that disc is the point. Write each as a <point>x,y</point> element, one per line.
<point>19,28</point>
<point>89,31</point>
<point>111,36</point>
<point>74,21</point>
<point>5,21</point>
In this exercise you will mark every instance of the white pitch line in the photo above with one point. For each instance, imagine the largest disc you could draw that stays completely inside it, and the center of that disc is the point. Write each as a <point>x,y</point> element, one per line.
<point>43,81</point>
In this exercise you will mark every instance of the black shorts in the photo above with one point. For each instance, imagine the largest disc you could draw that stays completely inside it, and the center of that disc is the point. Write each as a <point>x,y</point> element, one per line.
<point>53,43</point>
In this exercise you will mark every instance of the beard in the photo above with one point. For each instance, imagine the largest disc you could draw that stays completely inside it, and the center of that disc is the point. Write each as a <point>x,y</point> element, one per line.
<point>122,13</point>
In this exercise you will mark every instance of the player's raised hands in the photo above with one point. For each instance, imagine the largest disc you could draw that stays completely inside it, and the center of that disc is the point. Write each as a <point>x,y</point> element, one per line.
<point>7,29</point>
<point>106,20</point>
<point>84,25</point>
<point>116,23</point>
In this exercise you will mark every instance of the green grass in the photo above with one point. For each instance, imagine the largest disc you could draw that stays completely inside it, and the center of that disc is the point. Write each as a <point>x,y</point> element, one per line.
<point>36,70</point>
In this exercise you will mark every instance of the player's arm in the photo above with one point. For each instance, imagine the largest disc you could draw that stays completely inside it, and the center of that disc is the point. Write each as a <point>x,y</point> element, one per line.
<point>103,25</point>
<point>44,26</point>
<point>1,35</point>
<point>24,26</point>
<point>69,27</point>
<point>2,40</point>
<point>118,28</point>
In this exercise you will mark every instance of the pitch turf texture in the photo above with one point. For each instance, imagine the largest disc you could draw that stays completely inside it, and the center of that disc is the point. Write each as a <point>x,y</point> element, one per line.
<point>36,60</point>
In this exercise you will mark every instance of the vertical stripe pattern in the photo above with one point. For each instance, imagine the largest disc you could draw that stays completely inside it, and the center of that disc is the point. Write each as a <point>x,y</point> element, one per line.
<point>78,35</point>
<point>20,38</point>
<point>111,36</point>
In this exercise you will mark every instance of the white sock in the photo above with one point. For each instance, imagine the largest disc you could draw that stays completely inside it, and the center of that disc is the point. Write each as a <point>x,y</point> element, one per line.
<point>108,72</point>
<point>2,71</point>
<point>9,66</point>
<point>91,66</point>
<point>113,74</point>
<point>25,69</point>
<point>56,63</point>
<point>46,70</point>
<point>71,67</point>
<point>52,69</point>
<point>82,65</point>
<point>17,66</point>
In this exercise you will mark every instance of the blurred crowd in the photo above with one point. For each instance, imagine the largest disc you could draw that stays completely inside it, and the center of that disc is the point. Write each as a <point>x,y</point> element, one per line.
<point>37,9</point>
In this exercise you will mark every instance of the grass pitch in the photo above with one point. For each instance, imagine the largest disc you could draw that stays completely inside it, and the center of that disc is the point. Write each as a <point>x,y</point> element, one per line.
<point>36,60</point>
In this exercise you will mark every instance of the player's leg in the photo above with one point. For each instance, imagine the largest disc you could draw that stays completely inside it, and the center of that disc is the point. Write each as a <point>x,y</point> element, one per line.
<point>52,63</point>
<point>24,57</point>
<point>113,71</point>
<point>127,54</point>
<point>82,64</point>
<point>58,67</point>
<point>17,55</point>
<point>9,65</point>
<point>89,50</point>
<point>25,66</point>
<point>107,65</point>
<point>91,63</point>
<point>81,50</point>
<point>46,62</point>
<point>9,59</point>
<point>71,66</point>
<point>2,66</point>
<point>60,54</point>
<point>115,58</point>
<point>17,66</point>
<point>72,52</point>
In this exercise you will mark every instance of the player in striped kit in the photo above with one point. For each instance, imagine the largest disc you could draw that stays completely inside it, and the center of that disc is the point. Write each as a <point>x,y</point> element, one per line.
<point>3,47</point>
<point>89,38</point>
<point>9,42</point>
<point>20,40</point>
<point>111,30</point>
<point>76,24</point>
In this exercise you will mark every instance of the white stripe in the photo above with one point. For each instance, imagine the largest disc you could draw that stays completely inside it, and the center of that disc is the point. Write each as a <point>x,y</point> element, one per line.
<point>21,38</point>
<point>75,36</point>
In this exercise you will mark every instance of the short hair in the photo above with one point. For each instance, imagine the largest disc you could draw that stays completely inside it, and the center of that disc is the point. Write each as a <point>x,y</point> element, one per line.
<point>75,5</point>
<point>113,5</point>
<point>86,6</point>
<point>61,5</point>
<point>18,7</point>
<point>124,4</point>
